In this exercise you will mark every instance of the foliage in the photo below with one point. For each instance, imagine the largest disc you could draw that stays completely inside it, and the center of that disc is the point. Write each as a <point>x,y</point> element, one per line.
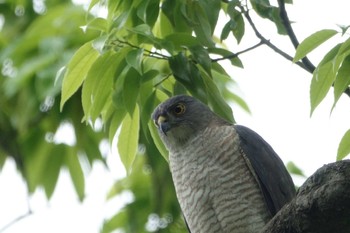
<point>116,71</point>
<point>31,54</point>
<point>333,70</point>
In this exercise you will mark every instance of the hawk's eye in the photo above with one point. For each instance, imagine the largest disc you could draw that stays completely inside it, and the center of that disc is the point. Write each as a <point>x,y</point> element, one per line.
<point>179,109</point>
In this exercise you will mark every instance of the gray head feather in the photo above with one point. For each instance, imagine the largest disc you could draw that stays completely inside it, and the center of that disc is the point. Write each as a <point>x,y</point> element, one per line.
<point>180,118</point>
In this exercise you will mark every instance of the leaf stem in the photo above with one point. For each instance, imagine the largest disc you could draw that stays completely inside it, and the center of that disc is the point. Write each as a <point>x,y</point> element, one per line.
<point>233,55</point>
<point>149,53</point>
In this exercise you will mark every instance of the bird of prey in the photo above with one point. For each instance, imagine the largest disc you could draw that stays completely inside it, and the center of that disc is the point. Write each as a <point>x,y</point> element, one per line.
<point>227,178</point>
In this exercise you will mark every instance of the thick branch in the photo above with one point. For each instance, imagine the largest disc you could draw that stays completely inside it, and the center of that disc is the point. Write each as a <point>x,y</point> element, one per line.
<point>322,204</point>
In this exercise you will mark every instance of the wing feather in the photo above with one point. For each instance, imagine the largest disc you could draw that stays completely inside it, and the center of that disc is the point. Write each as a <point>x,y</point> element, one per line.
<point>276,183</point>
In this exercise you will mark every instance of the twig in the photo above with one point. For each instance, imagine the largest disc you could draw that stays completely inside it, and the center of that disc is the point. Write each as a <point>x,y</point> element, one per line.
<point>286,23</point>
<point>238,53</point>
<point>267,42</point>
<point>165,78</point>
<point>16,220</point>
<point>149,53</point>
<point>291,34</point>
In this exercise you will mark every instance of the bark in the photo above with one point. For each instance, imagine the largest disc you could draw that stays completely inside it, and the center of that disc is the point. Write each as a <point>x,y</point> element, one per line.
<point>322,204</point>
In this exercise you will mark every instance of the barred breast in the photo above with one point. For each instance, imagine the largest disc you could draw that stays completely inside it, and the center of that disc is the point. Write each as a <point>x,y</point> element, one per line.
<point>216,190</point>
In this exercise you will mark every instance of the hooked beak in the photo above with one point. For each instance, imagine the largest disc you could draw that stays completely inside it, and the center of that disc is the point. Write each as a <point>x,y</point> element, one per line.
<point>163,124</point>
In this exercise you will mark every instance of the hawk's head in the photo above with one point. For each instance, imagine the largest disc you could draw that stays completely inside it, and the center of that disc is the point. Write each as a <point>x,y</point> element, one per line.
<point>180,118</point>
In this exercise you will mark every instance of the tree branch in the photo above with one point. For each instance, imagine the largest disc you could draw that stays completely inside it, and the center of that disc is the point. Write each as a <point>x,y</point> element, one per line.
<point>322,204</point>
<point>287,25</point>
<point>306,64</point>
<point>267,42</point>
<point>149,53</point>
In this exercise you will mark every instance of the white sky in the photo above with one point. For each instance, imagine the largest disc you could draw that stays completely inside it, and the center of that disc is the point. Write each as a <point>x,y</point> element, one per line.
<point>278,95</point>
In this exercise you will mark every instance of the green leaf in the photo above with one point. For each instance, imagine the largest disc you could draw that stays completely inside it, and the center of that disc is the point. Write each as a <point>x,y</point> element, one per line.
<point>27,71</point>
<point>3,158</point>
<point>76,173</point>
<point>131,89</point>
<point>160,97</point>
<point>116,120</point>
<point>77,70</point>
<point>148,11</point>
<point>344,51</point>
<point>118,94</point>
<point>129,138</point>
<point>216,100</point>
<point>147,101</point>
<point>179,40</point>
<point>152,12</point>
<point>266,10</point>
<point>262,7</point>
<point>187,74</point>
<point>179,65</point>
<point>173,11</point>
<point>117,221</point>
<point>344,146</point>
<point>198,20</point>
<point>343,29</point>
<point>149,75</point>
<point>342,80</point>
<point>328,64</point>
<point>99,24</point>
<point>332,56</point>
<point>134,59</point>
<point>35,169</point>
<point>236,24</point>
<point>157,141</point>
<point>141,10</point>
<point>212,10</point>
<point>144,30</point>
<point>52,168</point>
<point>165,27</point>
<point>201,56</point>
<point>227,29</point>
<point>98,84</point>
<point>312,42</point>
<point>294,169</point>
<point>275,17</point>
<point>317,96</point>
<point>235,61</point>
<point>322,80</point>
<point>223,80</point>
<point>92,4</point>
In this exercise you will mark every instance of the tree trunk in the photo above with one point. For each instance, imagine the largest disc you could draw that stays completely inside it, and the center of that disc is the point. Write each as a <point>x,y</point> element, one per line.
<point>322,204</point>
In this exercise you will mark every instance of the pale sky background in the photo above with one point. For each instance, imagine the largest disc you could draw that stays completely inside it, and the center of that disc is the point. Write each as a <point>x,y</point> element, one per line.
<point>277,93</point>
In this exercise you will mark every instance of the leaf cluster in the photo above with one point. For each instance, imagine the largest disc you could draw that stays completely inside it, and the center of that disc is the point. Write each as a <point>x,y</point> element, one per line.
<point>333,70</point>
<point>34,46</point>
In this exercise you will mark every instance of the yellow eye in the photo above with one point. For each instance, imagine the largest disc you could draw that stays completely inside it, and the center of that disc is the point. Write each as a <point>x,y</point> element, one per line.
<point>179,109</point>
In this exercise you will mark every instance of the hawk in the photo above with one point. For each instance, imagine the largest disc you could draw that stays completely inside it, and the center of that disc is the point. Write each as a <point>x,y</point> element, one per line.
<point>227,178</point>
